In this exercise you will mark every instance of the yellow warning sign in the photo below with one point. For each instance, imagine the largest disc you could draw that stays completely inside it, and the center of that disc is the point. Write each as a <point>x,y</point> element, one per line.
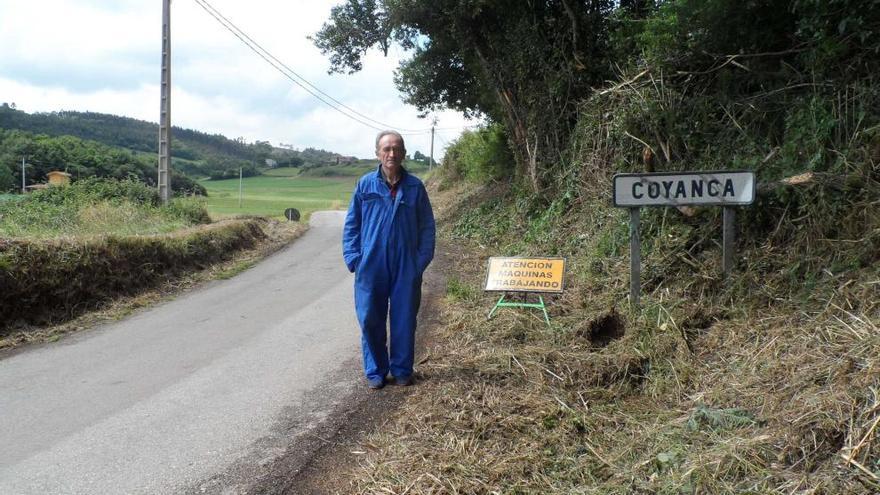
<point>526,274</point>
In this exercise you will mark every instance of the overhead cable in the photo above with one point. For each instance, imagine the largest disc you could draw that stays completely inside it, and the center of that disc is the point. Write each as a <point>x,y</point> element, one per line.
<point>297,79</point>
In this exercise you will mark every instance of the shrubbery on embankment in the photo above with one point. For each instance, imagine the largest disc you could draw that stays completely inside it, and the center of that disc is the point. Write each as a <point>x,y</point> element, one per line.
<point>97,206</point>
<point>67,250</point>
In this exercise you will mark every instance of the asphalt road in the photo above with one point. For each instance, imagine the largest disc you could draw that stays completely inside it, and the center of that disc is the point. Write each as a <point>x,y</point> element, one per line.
<point>193,395</point>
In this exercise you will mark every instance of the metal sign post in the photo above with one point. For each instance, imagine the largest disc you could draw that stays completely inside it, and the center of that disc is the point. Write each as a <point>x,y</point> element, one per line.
<point>717,188</point>
<point>635,257</point>
<point>728,241</point>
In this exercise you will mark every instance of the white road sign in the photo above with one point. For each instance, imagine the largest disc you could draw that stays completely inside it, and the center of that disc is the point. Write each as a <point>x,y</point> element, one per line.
<point>684,188</point>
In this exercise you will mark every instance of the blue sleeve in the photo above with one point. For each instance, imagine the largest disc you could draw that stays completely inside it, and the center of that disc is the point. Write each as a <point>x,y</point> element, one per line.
<point>351,233</point>
<point>427,230</point>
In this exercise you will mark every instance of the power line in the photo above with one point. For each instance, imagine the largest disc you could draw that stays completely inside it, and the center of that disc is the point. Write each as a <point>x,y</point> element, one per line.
<point>280,69</point>
<point>295,77</point>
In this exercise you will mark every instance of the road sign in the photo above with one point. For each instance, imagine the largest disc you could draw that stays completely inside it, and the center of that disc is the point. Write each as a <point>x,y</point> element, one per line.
<point>725,188</point>
<point>291,214</point>
<point>525,274</point>
<point>721,188</point>
<point>518,274</point>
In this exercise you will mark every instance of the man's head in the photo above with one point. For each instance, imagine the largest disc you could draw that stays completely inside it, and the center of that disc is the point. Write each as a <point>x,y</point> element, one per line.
<point>390,150</point>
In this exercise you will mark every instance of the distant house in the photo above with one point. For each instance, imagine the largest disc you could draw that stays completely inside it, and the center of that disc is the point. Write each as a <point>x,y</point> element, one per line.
<point>271,163</point>
<point>57,178</point>
<point>345,159</point>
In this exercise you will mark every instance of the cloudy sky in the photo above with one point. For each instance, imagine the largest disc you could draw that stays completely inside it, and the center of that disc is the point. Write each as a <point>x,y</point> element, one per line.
<point>104,56</point>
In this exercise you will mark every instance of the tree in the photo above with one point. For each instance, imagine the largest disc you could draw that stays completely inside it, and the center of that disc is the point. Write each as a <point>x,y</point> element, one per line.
<point>7,181</point>
<point>295,162</point>
<point>525,64</point>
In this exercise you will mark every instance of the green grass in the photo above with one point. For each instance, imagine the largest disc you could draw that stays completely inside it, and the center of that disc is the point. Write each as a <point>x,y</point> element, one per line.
<point>359,168</point>
<point>105,217</point>
<point>269,195</point>
<point>95,207</point>
<point>281,188</point>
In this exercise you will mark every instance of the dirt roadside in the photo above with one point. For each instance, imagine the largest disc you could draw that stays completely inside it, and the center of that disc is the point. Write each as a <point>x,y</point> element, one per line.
<point>320,462</point>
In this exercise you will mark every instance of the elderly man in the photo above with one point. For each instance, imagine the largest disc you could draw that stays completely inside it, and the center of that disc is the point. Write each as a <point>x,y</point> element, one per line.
<point>388,241</point>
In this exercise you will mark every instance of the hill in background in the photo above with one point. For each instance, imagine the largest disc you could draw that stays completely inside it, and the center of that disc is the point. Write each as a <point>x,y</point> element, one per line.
<point>95,144</point>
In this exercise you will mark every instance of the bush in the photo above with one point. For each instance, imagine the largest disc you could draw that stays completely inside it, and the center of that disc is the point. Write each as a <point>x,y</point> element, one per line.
<point>232,172</point>
<point>480,155</point>
<point>190,210</point>
<point>93,189</point>
<point>98,206</point>
<point>181,185</point>
<point>7,181</point>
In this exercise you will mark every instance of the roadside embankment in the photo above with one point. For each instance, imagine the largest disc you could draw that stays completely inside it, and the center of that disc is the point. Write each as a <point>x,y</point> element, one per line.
<point>766,383</point>
<point>103,243</point>
<point>48,280</point>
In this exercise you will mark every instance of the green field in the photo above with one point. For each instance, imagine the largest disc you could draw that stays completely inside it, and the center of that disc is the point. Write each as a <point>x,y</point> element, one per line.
<point>281,188</point>
<point>270,194</point>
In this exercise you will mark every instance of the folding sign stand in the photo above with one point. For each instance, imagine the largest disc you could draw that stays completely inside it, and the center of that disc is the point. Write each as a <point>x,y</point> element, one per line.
<point>526,276</point>
<point>540,305</point>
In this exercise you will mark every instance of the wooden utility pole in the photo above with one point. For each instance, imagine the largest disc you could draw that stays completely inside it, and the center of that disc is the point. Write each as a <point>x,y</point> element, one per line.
<point>23,186</point>
<point>165,111</point>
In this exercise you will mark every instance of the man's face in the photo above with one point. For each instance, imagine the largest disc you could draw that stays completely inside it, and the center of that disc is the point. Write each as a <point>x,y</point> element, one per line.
<point>391,152</point>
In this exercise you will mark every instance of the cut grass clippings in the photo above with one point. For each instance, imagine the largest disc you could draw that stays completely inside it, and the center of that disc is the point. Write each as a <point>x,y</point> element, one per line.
<point>706,389</point>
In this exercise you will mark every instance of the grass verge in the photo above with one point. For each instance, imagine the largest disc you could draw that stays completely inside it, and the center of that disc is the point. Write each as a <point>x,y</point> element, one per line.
<point>88,312</point>
<point>767,384</point>
<point>269,195</point>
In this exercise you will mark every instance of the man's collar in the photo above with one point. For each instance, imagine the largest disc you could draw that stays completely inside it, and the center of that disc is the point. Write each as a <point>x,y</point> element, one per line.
<point>381,176</point>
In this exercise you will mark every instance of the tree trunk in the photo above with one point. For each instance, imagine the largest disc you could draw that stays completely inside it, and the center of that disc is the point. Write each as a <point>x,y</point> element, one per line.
<point>526,158</point>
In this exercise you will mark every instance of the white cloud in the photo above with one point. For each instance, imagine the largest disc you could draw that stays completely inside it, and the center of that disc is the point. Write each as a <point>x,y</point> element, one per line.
<point>104,56</point>
<point>138,103</point>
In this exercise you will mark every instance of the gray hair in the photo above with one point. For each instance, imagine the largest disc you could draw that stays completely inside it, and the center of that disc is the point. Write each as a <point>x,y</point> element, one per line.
<point>388,133</point>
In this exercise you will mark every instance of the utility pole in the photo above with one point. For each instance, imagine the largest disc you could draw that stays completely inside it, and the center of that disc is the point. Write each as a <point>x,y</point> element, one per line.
<point>165,111</point>
<point>239,186</point>
<point>431,160</point>
<point>23,186</point>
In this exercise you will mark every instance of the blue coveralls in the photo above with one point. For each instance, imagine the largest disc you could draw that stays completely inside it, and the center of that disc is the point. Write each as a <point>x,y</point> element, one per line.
<point>388,243</point>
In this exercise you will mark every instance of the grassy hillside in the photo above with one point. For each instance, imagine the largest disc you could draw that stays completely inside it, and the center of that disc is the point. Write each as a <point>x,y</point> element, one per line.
<point>134,143</point>
<point>358,168</point>
<point>124,132</point>
<point>80,158</point>
<point>277,190</point>
<point>308,190</point>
